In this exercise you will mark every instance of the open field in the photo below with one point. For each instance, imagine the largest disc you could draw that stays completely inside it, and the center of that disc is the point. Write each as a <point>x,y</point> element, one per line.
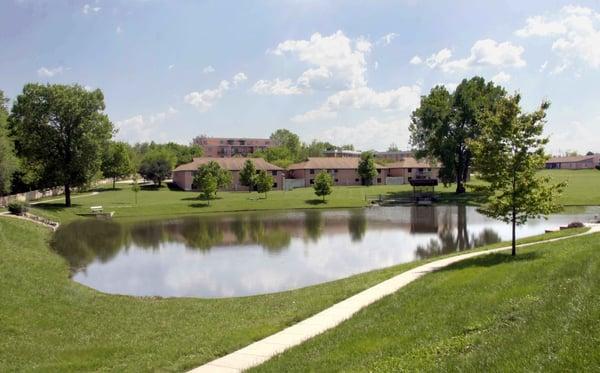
<point>536,312</point>
<point>54,324</point>
<point>583,189</point>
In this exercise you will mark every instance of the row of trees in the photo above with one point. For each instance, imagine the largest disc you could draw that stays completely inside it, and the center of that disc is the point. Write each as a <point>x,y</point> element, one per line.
<point>59,135</point>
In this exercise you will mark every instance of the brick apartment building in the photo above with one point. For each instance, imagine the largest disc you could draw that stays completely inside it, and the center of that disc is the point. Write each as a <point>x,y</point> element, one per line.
<point>225,147</point>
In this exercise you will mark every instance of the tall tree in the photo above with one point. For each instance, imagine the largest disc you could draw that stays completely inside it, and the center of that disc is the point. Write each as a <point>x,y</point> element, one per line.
<point>366,168</point>
<point>445,123</point>
<point>264,182</point>
<point>116,161</point>
<point>247,174</point>
<point>221,175</point>
<point>8,160</point>
<point>60,132</point>
<point>509,152</point>
<point>157,165</point>
<point>287,139</point>
<point>323,184</point>
<point>206,182</point>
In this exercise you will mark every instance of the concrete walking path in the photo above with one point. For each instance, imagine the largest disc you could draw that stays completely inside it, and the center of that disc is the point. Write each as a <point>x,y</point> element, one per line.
<point>62,198</point>
<point>261,351</point>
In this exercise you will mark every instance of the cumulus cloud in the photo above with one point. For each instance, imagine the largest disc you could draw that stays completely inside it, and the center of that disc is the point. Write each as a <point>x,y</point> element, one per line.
<point>49,72</point>
<point>206,99</point>
<point>276,87</point>
<point>575,32</point>
<point>364,98</point>
<point>208,69</point>
<point>416,60</point>
<point>119,30</point>
<point>484,53</point>
<point>143,127</point>
<point>89,9</point>
<point>370,134</point>
<point>387,39</point>
<point>337,62</point>
<point>501,78</point>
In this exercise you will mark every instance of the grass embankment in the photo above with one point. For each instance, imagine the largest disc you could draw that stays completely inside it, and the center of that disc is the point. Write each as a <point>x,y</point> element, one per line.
<point>51,323</point>
<point>539,311</point>
<point>583,189</point>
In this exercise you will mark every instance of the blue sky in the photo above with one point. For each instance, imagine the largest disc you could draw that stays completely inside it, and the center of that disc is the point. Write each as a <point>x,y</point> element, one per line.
<point>341,71</point>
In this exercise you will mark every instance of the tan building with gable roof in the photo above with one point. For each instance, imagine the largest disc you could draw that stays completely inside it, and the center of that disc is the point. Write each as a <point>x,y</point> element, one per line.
<point>183,175</point>
<point>344,170</point>
<point>573,163</point>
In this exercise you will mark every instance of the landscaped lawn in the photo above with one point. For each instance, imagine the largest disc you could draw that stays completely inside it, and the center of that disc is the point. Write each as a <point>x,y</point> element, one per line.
<point>583,189</point>
<point>538,312</point>
<point>51,323</point>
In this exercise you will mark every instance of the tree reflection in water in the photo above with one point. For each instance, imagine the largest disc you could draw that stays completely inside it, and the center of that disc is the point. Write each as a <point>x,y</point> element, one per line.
<point>452,239</point>
<point>313,225</point>
<point>357,225</point>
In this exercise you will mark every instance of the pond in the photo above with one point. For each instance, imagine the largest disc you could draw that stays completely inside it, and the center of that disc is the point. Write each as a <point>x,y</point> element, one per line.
<point>263,252</point>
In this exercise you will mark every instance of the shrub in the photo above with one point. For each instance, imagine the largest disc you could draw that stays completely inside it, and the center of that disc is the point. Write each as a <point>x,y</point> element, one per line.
<point>598,167</point>
<point>575,224</point>
<point>18,208</point>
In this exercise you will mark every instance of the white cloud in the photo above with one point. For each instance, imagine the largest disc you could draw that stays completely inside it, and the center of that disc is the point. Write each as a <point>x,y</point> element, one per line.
<point>208,69</point>
<point>370,134</point>
<point>238,78</point>
<point>416,60</point>
<point>276,87</point>
<point>375,65</point>
<point>501,78</point>
<point>170,67</point>
<point>543,66</point>
<point>143,127</point>
<point>88,9</point>
<point>119,30</point>
<point>337,61</point>
<point>206,99</point>
<point>49,72</point>
<point>365,98</point>
<point>575,31</point>
<point>486,52</point>
<point>387,39</point>
<point>559,69</point>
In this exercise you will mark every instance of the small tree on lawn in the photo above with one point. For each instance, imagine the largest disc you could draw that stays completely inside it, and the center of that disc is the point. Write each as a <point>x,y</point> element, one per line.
<point>157,165</point>
<point>264,182</point>
<point>206,181</point>
<point>509,153</point>
<point>116,161</point>
<point>366,168</point>
<point>221,175</point>
<point>323,184</point>
<point>247,174</point>
<point>135,188</point>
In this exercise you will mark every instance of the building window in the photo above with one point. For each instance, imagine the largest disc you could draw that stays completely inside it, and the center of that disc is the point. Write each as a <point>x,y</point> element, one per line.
<point>420,170</point>
<point>274,185</point>
<point>378,180</point>
<point>336,180</point>
<point>312,172</point>
<point>312,181</point>
<point>356,180</point>
<point>274,173</point>
<point>334,171</point>
<point>410,170</point>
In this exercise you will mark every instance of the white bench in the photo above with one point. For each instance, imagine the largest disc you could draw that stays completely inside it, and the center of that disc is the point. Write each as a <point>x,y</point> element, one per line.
<point>96,209</point>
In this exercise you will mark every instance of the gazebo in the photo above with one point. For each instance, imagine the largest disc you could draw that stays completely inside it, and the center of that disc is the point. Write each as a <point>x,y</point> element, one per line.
<point>423,190</point>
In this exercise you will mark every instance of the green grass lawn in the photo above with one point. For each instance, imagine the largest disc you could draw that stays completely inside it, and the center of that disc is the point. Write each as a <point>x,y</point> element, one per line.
<point>51,323</point>
<point>539,311</point>
<point>583,189</point>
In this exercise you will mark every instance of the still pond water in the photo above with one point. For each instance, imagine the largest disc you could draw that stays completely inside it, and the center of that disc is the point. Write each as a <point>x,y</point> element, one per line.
<point>263,252</point>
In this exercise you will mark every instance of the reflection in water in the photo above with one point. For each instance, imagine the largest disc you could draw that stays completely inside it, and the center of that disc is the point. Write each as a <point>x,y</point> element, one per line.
<point>253,253</point>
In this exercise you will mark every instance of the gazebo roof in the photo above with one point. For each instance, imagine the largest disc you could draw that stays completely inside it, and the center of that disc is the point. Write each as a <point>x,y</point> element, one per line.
<point>423,182</point>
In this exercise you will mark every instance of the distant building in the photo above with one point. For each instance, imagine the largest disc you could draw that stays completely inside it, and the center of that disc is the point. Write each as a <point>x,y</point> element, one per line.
<point>573,163</point>
<point>396,155</point>
<point>183,175</point>
<point>225,147</point>
<point>341,153</point>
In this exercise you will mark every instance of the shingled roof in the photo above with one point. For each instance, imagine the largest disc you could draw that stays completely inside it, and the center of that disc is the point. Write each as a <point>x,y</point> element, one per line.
<point>230,164</point>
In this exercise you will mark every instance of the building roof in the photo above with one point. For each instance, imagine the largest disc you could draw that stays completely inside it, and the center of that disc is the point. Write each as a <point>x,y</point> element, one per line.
<point>328,163</point>
<point>230,164</point>
<point>578,158</point>
<point>410,162</point>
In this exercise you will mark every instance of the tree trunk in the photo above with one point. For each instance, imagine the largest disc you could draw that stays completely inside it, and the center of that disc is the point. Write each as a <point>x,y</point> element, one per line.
<point>460,187</point>
<point>514,241</point>
<point>114,182</point>
<point>67,195</point>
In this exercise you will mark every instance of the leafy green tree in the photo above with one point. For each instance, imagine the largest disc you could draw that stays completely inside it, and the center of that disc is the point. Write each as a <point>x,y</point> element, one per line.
<point>366,168</point>
<point>318,148</point>
<point>157,165</point>
<point>393,148</point>
<point>509,152</point>
<point>444,124</point>
<point>247,174</point>
<point>264,182</point>
<point>323,184</point>
<point>287,139</point>
<point>208,185</point>
<point>60,132</point>
<point>221,175</point>
<point>8,161</point>
<point>116,161</point>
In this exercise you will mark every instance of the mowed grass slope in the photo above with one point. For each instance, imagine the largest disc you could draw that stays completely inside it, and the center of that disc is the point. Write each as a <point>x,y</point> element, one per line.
<point>50,323</point>
<point>583,189</point>
<point>539,311</point>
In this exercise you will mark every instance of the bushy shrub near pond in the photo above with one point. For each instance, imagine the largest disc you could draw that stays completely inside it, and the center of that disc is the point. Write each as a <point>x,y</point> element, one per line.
<point>18,208</point>
<point>575,224</point>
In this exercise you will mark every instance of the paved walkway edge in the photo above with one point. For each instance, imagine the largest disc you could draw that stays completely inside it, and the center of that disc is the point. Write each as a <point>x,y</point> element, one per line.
<point>261,351</point>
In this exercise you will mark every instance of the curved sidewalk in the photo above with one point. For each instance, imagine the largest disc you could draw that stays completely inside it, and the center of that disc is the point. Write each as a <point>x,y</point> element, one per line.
<point>261,351</point>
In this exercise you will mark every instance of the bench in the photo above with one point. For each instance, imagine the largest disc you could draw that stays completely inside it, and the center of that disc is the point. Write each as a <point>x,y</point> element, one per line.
<point>96,209</point>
